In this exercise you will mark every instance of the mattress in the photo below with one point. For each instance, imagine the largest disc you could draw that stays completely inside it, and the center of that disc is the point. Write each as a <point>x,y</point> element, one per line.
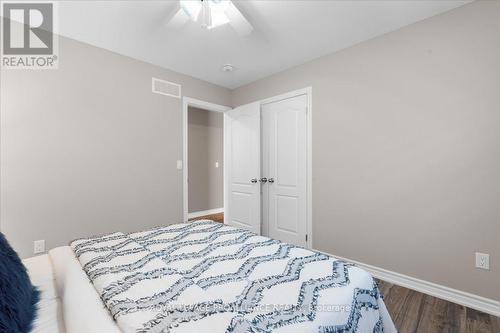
<point>49,314</point>
<point>68,301</point>
<point>83,310</point>
<point>209,277</point>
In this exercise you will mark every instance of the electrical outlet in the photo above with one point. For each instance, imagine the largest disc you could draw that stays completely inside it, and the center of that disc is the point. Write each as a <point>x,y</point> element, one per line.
<point>179,164</point>
<point>39,246</point>
<point>482,260</point>
<point>216,164</point>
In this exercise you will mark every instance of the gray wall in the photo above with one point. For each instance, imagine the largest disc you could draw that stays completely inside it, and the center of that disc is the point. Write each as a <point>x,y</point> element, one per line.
<point>88,149</point>
<point>406,147</point>
<point>205,148</point>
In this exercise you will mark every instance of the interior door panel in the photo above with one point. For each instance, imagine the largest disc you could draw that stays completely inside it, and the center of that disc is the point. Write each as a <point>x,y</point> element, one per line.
<point>284,131</point>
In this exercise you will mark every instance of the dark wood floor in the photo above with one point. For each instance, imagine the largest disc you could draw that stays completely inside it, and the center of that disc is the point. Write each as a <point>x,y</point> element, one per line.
<point>214,217</point>
<point>412,311</point>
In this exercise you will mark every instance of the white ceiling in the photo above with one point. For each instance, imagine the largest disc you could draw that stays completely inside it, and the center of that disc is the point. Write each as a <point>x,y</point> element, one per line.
<point>286,33</point>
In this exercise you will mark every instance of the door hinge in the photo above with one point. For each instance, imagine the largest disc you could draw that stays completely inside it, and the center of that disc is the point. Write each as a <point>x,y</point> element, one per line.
<point>306,237</point>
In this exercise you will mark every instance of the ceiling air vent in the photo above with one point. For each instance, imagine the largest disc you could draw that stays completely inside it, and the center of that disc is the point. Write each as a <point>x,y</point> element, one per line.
<point>166,88</point>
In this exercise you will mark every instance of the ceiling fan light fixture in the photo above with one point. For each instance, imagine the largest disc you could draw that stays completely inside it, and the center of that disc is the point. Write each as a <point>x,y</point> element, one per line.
<point>191,8</point>
<point>208,13</point>
<point>205,17</point>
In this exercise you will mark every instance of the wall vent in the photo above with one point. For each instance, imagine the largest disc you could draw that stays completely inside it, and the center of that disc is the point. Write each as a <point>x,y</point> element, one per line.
<point>166,88</point>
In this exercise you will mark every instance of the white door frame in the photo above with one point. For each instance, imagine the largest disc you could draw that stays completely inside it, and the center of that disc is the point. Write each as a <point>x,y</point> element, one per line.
<point>186,103</point>
<point>308,92</point>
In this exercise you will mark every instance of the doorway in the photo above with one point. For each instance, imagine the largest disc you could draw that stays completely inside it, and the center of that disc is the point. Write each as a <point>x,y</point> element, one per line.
<point>265,140</point>
<point>203,160</point>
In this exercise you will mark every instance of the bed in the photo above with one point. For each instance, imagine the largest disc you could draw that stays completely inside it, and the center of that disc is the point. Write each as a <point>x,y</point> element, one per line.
<point>208,277</point>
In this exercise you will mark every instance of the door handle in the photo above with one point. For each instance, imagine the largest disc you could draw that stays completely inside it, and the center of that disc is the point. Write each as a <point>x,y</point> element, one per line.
<point>271,180</point>
<point>263,180</point>
<point>253,180</point>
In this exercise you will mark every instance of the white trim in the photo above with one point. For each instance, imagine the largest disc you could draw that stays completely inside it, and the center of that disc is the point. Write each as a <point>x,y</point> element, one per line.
<point>187,102</point>
<point>479,303</point>
<point>305,91</point>
<point>205,212</point>
<point>309,169</point>
<point>226,173</point>
<point>204,105</point>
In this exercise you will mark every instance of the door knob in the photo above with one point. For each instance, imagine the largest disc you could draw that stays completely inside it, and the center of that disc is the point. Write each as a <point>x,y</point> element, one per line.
<point>271,180</point>
<point>253,180</point>
<point>263,180</point>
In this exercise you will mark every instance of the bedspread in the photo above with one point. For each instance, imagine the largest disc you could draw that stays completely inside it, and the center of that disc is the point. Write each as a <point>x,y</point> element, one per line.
<point>209,277</point>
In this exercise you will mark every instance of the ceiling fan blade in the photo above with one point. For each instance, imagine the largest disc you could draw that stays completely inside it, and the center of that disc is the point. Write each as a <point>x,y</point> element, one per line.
<point>238,21</point>
<point>178,20</point>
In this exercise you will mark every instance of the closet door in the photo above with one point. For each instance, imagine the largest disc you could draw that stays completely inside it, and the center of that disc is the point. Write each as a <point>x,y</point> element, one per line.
<point>285,166</point>
<point>242,167</point>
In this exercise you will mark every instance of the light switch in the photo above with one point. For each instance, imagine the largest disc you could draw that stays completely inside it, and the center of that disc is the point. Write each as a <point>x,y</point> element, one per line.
<point>179,164</point>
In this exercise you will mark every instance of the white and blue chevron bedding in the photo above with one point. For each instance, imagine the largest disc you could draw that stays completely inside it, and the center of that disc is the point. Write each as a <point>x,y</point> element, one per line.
<point>210,277</point>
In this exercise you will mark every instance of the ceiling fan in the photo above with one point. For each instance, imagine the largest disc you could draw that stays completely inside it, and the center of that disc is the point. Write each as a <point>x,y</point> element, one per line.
<point>210,14</point>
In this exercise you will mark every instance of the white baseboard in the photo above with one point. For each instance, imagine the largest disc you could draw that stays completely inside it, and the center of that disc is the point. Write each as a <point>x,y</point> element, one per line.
<point>205,212</point>
<point>476,302</point>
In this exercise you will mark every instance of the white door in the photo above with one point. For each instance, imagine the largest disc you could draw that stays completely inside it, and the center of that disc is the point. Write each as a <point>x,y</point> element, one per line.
<point>242,167</point>
<point>284,164</point>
